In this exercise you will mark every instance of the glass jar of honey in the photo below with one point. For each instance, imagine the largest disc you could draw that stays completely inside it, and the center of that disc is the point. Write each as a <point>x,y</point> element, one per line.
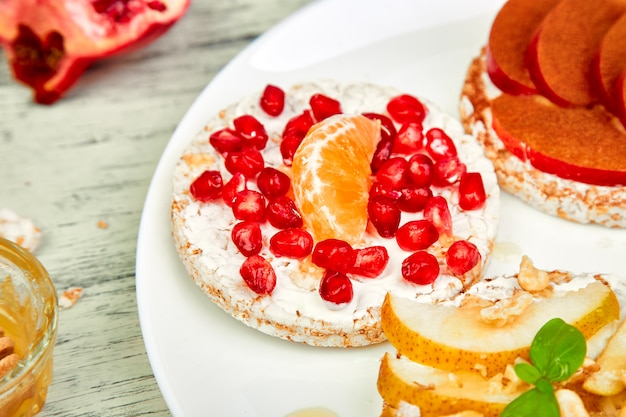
<point>28,326</point>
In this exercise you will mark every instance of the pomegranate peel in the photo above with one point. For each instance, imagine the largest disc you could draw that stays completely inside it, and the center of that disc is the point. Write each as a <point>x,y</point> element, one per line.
<point>50,44</point>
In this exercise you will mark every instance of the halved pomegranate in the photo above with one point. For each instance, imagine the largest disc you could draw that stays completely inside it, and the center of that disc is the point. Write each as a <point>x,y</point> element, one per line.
<point>49,44</point>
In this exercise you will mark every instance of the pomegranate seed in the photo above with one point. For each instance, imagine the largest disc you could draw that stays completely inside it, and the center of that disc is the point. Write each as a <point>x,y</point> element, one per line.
<point>438,213</point>
<point>273,100</point>
<point>420,268</point>
<point>208,186</point>
<point>156,5</point>
<point>383,151</point>
<point>288,147</point>
<point>472,194</point>
<point>416,235</point>
<point>370,262</point>
<point>236,184</point>
<point>378,188</point>
<point>272,182</point>
<point>247,237</point>
<point>439,145</point>
<point>323,106</point>
<point>292,243</point>
<point>448,171</point>
<point>336,288</point>
<point>413,198</point>
<point>410,138</point>
<point>387,128</point>
<point>252,131</point>
<point>282,213</point>
<point>384,215</point>
<point>406,108</point>
<point>225,141</point>
<point>394,172</point>
<point>462,256</point>
<point>249,205</point>
<point>333,254</point>
<point>299,125</point>
<point>249,162</point>
<point>259,274</point>
<point>420,168</point>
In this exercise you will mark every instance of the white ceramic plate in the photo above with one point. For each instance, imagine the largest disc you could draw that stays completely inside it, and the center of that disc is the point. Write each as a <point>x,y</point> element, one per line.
<point>208,364</point>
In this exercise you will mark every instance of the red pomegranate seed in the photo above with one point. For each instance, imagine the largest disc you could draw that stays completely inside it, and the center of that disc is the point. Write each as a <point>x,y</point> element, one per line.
<point>333,254</point>
<point>462,256</point>
<point>448,171</point>
<point>259,274</point>
<point>247,237</point>
<point>420,168</point>
<point>323,106</point>
<point>282,213</point>
<point>249,205</point>
<point>413,198</point>
<point>299,125</point>
<point>383,151</point>
<point>370,262</point>
<point>438,213</point>
<point>438,144</point>
<point>248,161</point>
<point>394,172</point>
<point>472,194</point>
<point>208,186</point>
<point>420,268</point>
<point>272,182</point>
<point>416,235</point>
<point>236,184</point>
<point>384,215</point>
<point>252,131</point>
<point>288,147</point>
<point>387,128</point>
<point>406,108</point>
<point>410,138</point>
<point>378,188</point>
<point>225,141</point>
<point>273,100</point>
<point>336,288</point>
<point>291,243</point>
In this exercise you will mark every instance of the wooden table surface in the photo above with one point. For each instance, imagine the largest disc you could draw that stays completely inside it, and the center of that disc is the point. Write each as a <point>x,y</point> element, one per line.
<point>86,162</point>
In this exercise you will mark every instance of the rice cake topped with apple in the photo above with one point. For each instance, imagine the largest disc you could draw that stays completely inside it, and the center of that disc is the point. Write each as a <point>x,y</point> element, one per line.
<point>297,210</point>
<point>545,99</point>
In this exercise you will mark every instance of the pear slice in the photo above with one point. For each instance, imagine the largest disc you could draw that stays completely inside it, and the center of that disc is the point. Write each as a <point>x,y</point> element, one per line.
<point>611,378</point>
<point>438,392</point>
<point>456,338</point>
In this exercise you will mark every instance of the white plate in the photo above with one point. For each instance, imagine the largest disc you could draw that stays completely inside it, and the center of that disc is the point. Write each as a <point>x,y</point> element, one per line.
<point>207,363</point>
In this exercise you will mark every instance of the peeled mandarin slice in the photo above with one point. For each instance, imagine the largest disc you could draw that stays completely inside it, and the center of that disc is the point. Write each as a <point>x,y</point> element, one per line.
<point>437,392</point>
<point>331,176</point>
<point>457,338</point>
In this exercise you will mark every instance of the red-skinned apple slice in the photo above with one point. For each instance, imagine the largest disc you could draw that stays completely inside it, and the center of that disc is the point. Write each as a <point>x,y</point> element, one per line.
<point>577,143</point>
<point>49,44</point>
<point>560,56</point>
<point>610,61</point>
<point>511,32</point>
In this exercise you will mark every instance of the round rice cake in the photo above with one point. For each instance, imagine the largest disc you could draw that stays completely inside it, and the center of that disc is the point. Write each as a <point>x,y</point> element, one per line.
<point>294,310</point>
<point>568,199</point>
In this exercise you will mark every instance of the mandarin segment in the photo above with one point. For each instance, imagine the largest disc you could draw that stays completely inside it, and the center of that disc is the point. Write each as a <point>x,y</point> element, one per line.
<point>331,176</point>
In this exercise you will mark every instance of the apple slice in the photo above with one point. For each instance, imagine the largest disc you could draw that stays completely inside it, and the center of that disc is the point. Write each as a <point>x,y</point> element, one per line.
<point>610,61</point>
<point>439,392</point>
<point>619,95</point>
<point>561,53</point>
<point>581,144</point>
<point>611,378</point>
<point>460,339</point>
<point>511,32</point>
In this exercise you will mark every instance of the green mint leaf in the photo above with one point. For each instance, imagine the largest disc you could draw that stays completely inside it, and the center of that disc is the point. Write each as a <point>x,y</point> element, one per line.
<point>558,350</point>
<point>528,373</point>
<point>533,403</point>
